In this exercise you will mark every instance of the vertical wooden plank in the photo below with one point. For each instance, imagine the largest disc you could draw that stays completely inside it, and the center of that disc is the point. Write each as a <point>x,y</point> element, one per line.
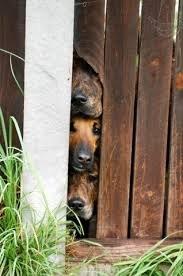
<point>89,32</point>
<point>152,118</point>
<point>175,197</point>
<point>118,105</point>
<point>12,36</point>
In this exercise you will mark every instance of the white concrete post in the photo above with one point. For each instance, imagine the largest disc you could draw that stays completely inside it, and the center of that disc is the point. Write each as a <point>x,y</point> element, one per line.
<point>48,69</point>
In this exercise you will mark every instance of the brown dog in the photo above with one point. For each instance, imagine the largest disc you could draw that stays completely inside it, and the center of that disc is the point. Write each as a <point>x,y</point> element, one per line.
<point>84,140</point>
<point>82,192</point>
<point>86,90</point>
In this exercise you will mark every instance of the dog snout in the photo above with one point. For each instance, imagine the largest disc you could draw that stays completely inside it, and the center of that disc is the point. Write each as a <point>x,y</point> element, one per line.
<point>84,158</point>
<point>76,204</point>
<point>79,98</point>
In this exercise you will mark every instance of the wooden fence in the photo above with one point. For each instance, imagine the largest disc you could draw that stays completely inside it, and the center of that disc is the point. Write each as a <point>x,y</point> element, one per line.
<point>141,170</point>
<point>12,37</point>
<point>141,69</point>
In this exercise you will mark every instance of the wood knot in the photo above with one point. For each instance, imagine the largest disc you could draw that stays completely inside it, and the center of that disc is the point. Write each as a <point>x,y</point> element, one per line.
<point>155,62</point>
<point>179,81</point>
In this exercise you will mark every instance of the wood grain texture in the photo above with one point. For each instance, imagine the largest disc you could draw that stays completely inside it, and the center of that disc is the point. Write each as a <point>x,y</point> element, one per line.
<point>118,106</point>
<point>89,32</point>
<point>175,195</point>
<point>12,36</point>
<point>152,118</point>
<point>111,250</point>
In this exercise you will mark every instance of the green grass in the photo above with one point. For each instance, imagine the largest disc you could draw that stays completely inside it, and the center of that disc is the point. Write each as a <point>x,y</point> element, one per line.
<point>25,250</point>
<point>21,253</point>
<point>10,54</point>
<point>154,262</point>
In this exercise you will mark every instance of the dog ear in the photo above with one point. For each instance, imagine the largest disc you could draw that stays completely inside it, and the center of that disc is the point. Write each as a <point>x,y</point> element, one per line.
<point>75,54</point>
<point>96,77</point>
<point>76,59</point>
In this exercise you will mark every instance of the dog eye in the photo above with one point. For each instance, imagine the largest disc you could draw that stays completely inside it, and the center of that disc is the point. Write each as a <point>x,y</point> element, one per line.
<point>93,178</point>
<point>96,130</point>
<point>72,128</point>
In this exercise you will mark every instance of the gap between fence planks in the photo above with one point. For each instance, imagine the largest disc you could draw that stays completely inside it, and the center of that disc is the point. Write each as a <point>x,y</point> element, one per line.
<point>152,118</point>
<point>89,21</point>
<point>175,195</point>
<point>12,36</point>
<point>118,106</point>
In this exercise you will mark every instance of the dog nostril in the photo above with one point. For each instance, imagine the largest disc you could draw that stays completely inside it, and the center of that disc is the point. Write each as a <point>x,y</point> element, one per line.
<point>79,99</point>
<point>76,204</point>
<point>84,158</point>
<point>80,158</point>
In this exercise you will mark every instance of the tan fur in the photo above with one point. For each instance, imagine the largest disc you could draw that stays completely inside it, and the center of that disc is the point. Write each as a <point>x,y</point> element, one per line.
<point>83,186</point>
<point>83,133</point>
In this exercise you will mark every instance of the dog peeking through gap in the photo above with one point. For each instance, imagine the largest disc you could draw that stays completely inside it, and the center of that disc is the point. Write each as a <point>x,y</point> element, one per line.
<point>86,90</point>
<point>82,192</point>
<point>84,141</point>
<point>85,131</point>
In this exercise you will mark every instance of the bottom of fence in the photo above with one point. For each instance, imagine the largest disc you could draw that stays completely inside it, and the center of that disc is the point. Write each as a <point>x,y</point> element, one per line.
<point>111,250</point>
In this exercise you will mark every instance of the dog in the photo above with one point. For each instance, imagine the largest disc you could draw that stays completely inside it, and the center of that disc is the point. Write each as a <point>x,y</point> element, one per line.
<point>82,192</point>
<point>83,143</point>
<point>86,90</point>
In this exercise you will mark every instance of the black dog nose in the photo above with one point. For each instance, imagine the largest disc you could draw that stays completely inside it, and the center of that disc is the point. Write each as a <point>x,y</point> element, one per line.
<point>84,158</point>
<point>76,204</point>
<point>79,98</point>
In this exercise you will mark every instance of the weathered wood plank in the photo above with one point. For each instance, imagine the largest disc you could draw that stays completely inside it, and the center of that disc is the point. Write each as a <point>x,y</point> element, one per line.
<point>175,195</point>
<point>152,118</point>
<point>112,250</point>
<point>12,36</point>
<point>89,32</point>
<point>118,105</point>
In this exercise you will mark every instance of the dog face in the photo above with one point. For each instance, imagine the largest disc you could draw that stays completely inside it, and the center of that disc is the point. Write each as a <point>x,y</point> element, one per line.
<point>84,140</point>
<point>82,193</point>
<point>86,91</point>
